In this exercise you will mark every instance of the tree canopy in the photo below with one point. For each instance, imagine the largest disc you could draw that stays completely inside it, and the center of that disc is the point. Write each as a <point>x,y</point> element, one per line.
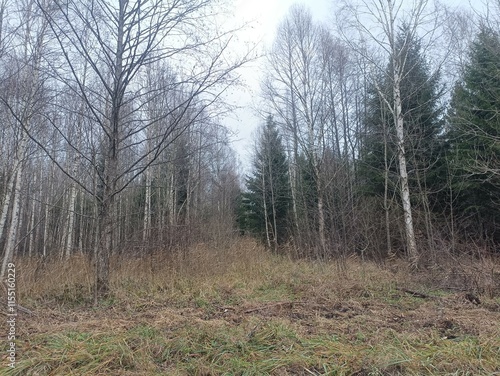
<point>473,136</point>
<point>267,201</point>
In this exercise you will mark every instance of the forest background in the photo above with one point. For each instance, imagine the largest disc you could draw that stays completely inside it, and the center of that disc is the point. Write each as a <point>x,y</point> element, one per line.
<point>379,135</point>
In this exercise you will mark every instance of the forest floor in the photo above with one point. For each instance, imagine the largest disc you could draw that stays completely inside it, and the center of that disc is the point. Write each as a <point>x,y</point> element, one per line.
<point>241,311</point>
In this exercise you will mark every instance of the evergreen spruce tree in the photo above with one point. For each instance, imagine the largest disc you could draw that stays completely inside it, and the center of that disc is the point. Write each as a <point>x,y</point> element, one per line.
<point>268,199</point>
<point>378,169</point>
<point>474,141</point>
<point>420,93</point>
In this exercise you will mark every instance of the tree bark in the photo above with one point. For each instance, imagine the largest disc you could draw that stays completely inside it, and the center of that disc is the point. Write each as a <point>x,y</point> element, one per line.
<point>403,173</point>
<point>147,209</point>
<point>11,240</point>
<point>266,217</point>
<point>71,221</point>
<point>13,195</point>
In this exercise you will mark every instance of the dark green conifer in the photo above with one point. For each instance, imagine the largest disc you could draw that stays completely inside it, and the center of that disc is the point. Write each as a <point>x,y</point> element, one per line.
<point>474,138</point>
<point>267,200</point>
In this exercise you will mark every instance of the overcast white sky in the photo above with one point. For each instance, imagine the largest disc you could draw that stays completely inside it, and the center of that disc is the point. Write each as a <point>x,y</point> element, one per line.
<point>265,16</point>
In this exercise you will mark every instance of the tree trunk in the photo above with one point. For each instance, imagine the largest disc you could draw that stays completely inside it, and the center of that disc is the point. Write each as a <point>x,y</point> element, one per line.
<point>273,198</point>
<point>103,250</point>
<point>386,191</point>
<point>71,220</point>
<point>147,209</point>
<point>403,174</point>
<point>295,153</point>
<point>106,211</point>
<point>13,194</point>
<point>31,223</point>
<point>46,228</point>
<point>11,240</point>
<point>6,203</point>
<point>81,224</point>
<point>321,224</point>
<point>266,221</point>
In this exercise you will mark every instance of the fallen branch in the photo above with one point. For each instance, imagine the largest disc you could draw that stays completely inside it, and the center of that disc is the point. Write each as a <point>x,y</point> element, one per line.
<point>20,308</point>
<point>414,293</point>
<point>25,310</point>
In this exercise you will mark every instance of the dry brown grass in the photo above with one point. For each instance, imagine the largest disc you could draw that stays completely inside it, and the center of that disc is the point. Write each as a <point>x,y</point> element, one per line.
<point>240,310</point>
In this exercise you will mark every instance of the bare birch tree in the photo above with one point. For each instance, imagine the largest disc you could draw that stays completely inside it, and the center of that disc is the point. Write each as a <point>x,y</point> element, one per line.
<point>294,89</point>
<point>125,37</point>
<point>378,21</point>
<point>23,99</point>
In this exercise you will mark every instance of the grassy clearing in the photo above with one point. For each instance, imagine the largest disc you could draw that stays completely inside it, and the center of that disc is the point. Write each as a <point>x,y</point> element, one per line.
<point>241,311</point>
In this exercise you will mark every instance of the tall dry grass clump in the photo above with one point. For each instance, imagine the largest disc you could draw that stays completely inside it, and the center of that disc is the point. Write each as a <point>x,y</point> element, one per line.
<point>202,271</point>
<point>52,278</point>
<point>240,269</point>
<point>160,271</point>
<point>239,309</point>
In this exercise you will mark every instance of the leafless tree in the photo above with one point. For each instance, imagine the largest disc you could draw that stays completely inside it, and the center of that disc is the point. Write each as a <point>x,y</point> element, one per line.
<point>118,41</point>
<point>294,91</point>
<point>378,22</point>
<point>23,98</point>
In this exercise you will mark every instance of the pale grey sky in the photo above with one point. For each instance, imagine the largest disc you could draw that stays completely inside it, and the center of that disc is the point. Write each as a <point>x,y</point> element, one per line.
<point>264,17</point>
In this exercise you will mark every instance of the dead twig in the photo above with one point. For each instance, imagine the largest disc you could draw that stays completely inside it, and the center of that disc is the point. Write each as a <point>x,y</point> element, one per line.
<point>18,306</point>
<point>414,293</point>
<point>22,309</point>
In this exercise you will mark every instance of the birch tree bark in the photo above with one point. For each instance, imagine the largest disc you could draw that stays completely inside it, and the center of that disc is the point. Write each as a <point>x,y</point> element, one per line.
<point>378,22</point>
<point>125,38</point>
<point>403,173</point>
<point>293,88</point>
<point>14,196</point>
<point>23,101</point>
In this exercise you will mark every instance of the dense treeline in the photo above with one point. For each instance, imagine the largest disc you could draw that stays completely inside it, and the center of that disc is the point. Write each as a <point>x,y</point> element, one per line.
<point>384,155</point>
<point>111,138</point>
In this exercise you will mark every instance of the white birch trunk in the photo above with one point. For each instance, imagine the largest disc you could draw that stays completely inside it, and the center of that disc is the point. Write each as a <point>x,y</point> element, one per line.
<point>171,199</point>
<point>265,208</point>
<point>40,215</point>
<point>403,174</point>
<point>47,213</point>
<point>71,220</point>
<point>321,223</point>
<point>12,194</point>
<point>147,208</point>
<point>6,203</point>
<point>161,214</point>
<point>81,225</point>
<point>386,198</point>
<point>45,230</point>
<point>31,224</point>
<point>273,201</point>
<point>11,240</point>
